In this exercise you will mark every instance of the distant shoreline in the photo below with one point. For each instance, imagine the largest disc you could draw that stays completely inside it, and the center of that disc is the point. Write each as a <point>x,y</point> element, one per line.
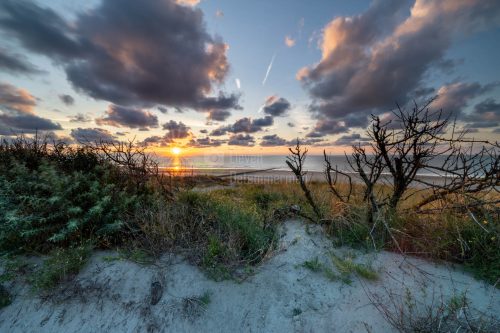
<point>276,174</point>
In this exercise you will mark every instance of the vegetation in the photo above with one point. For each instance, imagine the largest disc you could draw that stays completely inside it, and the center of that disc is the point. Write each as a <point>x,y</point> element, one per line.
<point>440,314</point>
<point>54,195</point>
<point>384,202</point>
<point>56,199</point>
<point>61,265</point>
<point>343,269</point>
<point>220,230</point>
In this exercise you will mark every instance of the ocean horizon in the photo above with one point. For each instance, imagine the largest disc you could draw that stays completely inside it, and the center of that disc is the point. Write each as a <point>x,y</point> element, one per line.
<point>313,163</point>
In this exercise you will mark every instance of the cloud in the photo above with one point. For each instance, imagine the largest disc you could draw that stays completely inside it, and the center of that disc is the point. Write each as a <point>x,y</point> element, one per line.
<point>17,114</point>
<point>121,116</point>
<point>275,106</point>
<point>112,53</point>
<point>89,135</point>
<point>176,130</point>
<point>217,107</point>
<point>156,140</point>
<point>191,3</point>
<point>218,115</point>
<point>486,114</point>
<point>219,13</point>
<point>289,124</point>
<point>15,63</point>
<point>162,109</point>
<point>273,140</point>
<point>244,125</point>
<point>327,126</point>
<point>349,140</point>
<point>27,123</point>
<point>289,41</point>
<point>13,99</point>
<point>454,97</point>
<point>205,142</point>
<point>381,56</point>
<point>258,123</point>
<point>67,99</point>
<point>241,140</point>
<point>238,83</point>
<point>80,118</point>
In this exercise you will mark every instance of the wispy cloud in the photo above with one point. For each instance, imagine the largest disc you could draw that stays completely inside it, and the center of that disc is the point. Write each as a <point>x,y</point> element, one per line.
<point>300,27</point>
<point>268,69</point>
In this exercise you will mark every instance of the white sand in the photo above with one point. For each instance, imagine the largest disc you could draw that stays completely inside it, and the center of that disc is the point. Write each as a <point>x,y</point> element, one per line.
<point>115,296</point>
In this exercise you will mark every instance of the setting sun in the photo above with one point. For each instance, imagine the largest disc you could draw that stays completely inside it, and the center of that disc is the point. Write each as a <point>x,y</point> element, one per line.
<point>176,151</point>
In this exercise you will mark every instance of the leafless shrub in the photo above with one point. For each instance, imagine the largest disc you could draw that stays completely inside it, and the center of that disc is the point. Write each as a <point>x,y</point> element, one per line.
<point>135,163</point>
<point>332,180</point>
<point>296,163</point>
<point>414,141</point>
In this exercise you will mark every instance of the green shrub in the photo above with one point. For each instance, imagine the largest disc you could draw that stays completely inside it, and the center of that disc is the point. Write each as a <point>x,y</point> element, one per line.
<point>61,265</point>
<point>44,207</point>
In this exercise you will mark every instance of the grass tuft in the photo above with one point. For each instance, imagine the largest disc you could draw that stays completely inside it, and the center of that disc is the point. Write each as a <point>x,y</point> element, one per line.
<point>61,265</point>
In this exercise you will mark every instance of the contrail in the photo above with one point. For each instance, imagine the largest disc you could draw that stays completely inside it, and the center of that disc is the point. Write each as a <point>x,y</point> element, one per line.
<point>269,69</point>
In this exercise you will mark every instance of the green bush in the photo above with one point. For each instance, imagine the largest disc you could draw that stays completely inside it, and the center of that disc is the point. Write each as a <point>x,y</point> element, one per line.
<point>55,195</point>
<point>43,207</point>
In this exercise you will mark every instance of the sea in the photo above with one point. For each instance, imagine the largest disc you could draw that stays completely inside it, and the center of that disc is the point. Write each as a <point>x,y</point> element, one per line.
<point>313,163</point>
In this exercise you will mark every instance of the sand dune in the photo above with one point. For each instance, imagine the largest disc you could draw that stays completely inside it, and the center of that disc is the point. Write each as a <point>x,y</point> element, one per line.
<point>280,296</point>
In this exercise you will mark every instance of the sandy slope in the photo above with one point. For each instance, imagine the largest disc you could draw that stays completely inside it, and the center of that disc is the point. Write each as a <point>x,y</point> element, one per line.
<point>281,296</point>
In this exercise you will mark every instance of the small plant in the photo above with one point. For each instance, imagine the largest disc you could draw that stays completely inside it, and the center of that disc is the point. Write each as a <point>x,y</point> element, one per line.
<point>137,255</point>
<point>111,258</point>
<point>457,302</point>
<point>313,265</point>
<point>61,265</point>
<point>205,299</point>
<point>347,267</point>
<point>196,305</point>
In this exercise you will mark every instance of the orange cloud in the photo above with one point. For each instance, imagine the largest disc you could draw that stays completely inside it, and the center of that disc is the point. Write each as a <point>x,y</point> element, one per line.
<point>188,2</point>
<point>289,41</point>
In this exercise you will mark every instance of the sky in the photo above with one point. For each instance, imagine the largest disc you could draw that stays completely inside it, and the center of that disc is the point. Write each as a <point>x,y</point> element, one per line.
<point>243,77</point>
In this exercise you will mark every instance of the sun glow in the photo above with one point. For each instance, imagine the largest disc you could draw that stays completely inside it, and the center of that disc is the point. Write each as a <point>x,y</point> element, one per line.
<point>176,151</point>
